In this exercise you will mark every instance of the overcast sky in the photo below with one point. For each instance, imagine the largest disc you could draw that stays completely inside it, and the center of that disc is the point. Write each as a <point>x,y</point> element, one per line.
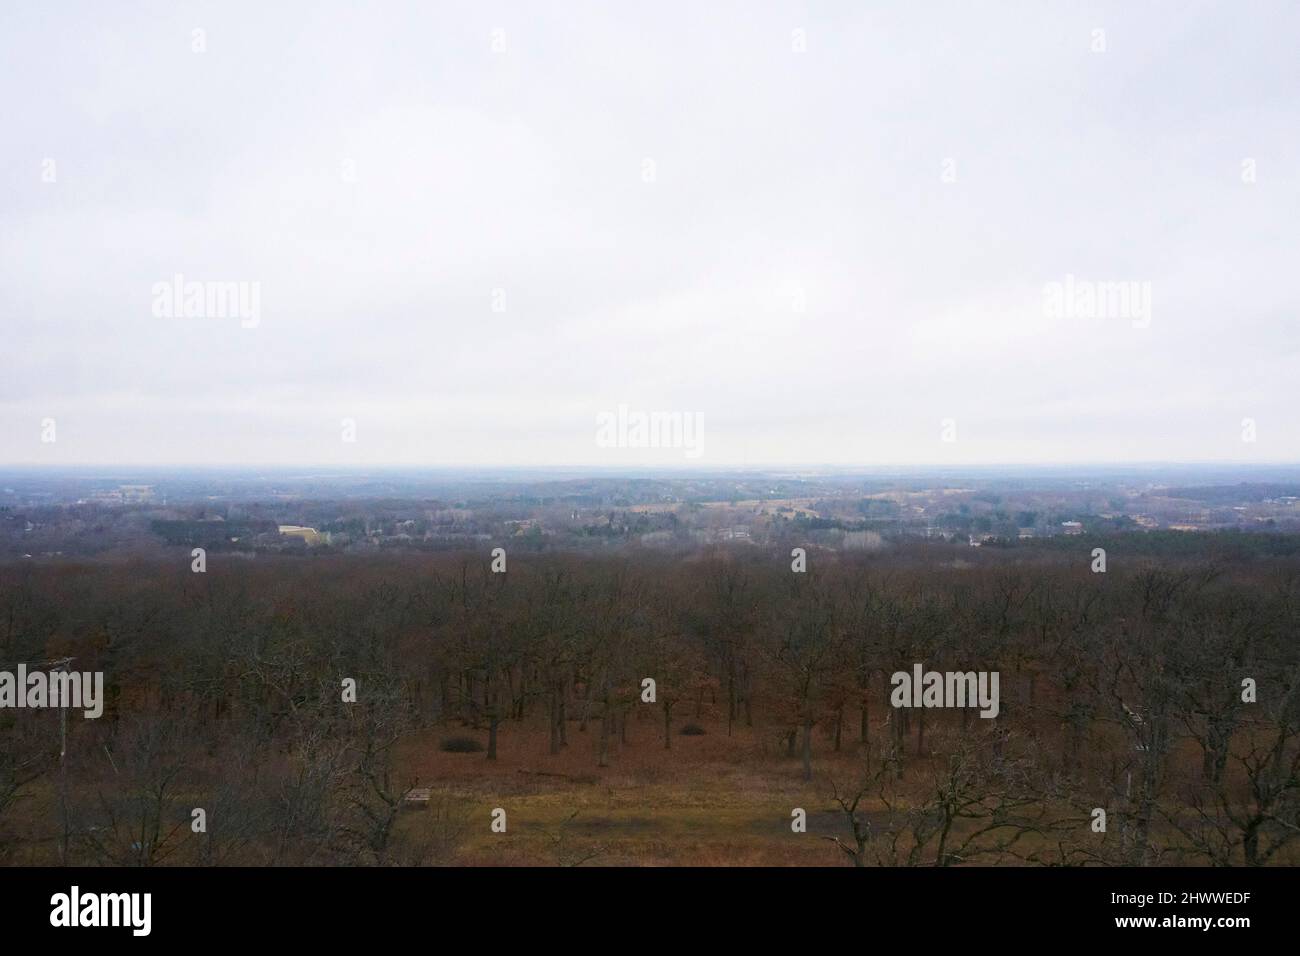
<point>842,237</point>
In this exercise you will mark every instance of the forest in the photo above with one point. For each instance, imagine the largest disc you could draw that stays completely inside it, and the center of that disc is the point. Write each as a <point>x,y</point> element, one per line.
<point>643,708</point>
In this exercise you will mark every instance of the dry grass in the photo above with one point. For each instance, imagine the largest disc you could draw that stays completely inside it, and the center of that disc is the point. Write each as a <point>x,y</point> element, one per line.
<point>711,800</point>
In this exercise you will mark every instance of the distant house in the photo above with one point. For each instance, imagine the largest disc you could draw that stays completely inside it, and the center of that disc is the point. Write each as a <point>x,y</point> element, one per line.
<point>308,535</point>
<point>1072,527</point>
<point>136,492</point>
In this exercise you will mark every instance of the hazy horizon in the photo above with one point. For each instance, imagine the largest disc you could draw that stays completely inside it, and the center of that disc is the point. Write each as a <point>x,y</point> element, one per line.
<point>665,466</point>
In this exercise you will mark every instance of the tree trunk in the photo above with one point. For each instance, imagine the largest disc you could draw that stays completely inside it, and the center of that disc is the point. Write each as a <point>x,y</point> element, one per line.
<point>807,748</point>
<point>604,736</point>
<point>555,721</point>
<point>731,694</point>
<point>1250,842</point>
<point>896,741</point>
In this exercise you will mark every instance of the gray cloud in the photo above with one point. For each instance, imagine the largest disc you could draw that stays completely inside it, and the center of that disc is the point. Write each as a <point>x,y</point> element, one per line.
<point>781,179</point>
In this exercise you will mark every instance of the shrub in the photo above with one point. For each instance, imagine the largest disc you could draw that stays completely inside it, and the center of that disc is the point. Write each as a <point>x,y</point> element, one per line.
<point>692,730</point>
<point>461,745</point>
